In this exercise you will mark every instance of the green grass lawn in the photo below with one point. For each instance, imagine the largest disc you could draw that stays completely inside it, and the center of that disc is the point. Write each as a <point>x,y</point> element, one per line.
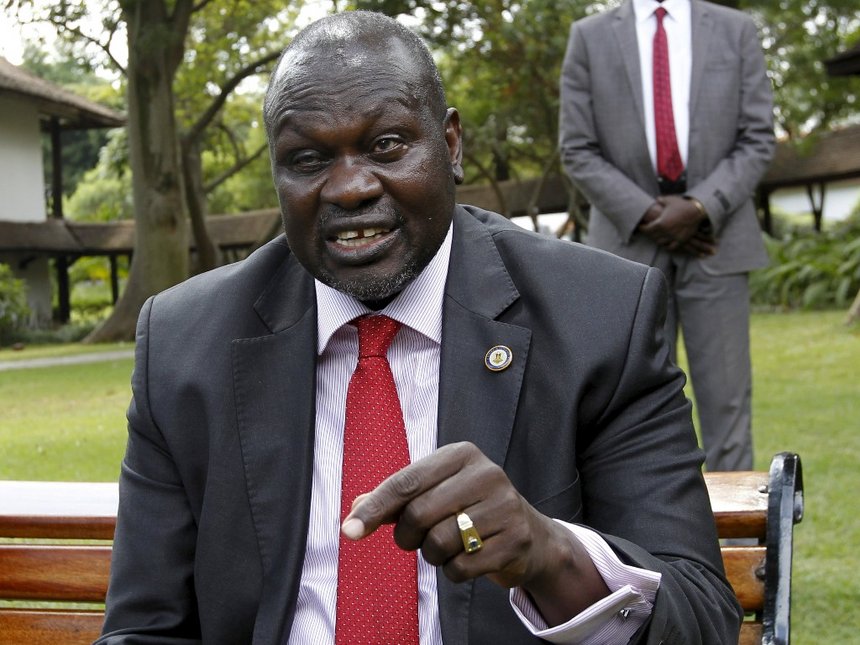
<point>807,399</point>
<point>64,423</point>
<point>68,423</point>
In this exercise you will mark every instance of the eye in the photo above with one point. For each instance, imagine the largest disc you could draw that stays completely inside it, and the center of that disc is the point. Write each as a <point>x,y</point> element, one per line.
<point>388,147</point>
<point>305,161</point>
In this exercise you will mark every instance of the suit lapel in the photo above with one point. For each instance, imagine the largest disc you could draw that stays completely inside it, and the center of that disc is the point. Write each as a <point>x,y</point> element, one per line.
<point>624,30</point>
<point>274,392</point>
<point>475,403</point>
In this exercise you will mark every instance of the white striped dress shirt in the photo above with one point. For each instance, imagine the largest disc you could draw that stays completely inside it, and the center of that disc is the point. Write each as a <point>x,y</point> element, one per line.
<point>414,356</point>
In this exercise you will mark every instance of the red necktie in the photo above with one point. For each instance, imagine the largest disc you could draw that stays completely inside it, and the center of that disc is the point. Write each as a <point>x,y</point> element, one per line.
<point>377,589</point>
<point>669,164</point>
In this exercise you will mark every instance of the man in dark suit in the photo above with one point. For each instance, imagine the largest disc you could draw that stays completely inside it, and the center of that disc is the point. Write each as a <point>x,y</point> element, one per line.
<point>669,162</point>
<point>554,490</point>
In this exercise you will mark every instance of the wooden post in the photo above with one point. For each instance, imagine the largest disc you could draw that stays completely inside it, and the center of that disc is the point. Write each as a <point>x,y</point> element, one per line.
<point>764,205</point>
<point>64,312</point>
<point>114,278</point>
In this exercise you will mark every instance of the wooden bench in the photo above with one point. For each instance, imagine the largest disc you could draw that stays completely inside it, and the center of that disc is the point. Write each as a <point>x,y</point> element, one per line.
<point>67,556</point>
<point>761,507</point>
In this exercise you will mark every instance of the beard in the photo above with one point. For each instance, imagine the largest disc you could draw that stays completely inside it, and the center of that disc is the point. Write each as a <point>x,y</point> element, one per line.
<point>374,289</point>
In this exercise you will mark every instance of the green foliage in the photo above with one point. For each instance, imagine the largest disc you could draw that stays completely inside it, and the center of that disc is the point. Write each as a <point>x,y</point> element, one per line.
<point>251,188</point>
<point>13,303</point>
<point>798,36</point>
<point>810,270</point>
<point>104,194</point>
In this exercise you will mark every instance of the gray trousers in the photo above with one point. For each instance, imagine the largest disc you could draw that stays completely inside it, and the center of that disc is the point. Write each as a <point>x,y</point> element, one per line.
<point>713,314</point>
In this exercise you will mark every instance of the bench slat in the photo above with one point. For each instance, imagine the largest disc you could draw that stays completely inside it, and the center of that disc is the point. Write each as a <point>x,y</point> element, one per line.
<point>46,627</point>
<point>750,634</point>
<point>739,502</point>
<point>743,566</point>
<point>41,572</point>
<point>80,510</point>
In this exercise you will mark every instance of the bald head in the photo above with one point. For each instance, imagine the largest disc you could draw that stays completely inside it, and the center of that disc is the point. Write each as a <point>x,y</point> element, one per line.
<point>357,43</point>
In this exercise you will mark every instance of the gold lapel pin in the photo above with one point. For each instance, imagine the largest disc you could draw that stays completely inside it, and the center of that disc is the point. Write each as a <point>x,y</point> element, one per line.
<point>498,358</point>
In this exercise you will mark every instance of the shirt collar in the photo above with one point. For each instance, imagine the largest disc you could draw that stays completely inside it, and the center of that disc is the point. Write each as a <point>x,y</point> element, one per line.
<point>675,9</point>
<point>418,306</point>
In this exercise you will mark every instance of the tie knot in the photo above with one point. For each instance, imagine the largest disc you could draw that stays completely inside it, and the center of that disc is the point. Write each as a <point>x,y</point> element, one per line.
<point>660,12</point>
<point>375,334</point>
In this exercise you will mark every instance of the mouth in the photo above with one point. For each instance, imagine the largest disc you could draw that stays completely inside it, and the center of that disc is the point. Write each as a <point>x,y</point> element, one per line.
<point>360,237</point>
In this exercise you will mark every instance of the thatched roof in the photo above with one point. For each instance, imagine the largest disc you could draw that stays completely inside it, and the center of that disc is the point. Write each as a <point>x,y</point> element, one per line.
<point>74,112</point>
<point>105,238</point>
<point>832,157</point>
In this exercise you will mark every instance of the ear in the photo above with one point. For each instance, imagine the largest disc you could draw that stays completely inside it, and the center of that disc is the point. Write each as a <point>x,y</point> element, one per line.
<point>454,139</point>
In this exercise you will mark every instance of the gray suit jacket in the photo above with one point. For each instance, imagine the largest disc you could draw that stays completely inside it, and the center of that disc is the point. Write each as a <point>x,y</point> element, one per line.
<point>602,131</point>
<point>589,422</point>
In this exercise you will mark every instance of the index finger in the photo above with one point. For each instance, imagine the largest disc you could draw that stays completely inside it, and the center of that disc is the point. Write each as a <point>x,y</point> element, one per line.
<point>384,503</point>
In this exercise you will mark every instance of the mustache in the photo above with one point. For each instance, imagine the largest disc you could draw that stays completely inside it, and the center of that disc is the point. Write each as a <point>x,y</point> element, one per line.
<point>375,212</point>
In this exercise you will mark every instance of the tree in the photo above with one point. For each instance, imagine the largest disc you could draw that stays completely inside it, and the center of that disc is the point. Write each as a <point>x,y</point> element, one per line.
<point>232,39</point>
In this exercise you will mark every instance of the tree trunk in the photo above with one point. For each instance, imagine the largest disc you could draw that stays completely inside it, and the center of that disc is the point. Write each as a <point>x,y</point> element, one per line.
<point>208,255</point>
<point>155,47</point>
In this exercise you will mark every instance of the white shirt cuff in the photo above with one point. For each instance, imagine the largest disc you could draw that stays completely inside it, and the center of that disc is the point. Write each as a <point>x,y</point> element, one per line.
<point>610,621</point>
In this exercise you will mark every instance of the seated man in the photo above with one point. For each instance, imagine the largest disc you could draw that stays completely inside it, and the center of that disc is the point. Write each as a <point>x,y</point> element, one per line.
<point>407,421</point>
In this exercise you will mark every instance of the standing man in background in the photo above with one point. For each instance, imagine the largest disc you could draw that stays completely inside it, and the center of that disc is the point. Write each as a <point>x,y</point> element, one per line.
<point>667,127</point>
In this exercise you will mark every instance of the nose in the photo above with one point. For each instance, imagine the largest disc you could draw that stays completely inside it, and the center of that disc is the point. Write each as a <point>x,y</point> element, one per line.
<point>350,184</point>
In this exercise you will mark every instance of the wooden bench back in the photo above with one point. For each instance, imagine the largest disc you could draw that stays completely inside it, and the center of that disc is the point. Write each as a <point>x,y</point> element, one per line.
<point>80,515</point>
<point>759,506</point>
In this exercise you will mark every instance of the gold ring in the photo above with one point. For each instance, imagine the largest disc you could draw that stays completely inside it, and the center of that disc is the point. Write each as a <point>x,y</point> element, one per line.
<point>471,540</point>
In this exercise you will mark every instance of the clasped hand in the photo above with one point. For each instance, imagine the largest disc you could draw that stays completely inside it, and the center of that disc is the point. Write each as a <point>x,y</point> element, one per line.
<point>522,547</point>
<point>676,224</point>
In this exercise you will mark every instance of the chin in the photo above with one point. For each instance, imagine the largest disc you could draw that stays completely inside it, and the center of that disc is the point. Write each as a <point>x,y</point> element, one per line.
<point>376,289</point>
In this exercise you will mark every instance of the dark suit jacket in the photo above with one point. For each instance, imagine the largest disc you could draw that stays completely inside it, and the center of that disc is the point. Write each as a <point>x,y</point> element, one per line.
<point>589,423</point>
<point>731,140</point>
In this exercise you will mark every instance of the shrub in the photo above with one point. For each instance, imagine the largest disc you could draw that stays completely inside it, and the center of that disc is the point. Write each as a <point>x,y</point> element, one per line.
<point>810,270</point>
<point>13,304</point>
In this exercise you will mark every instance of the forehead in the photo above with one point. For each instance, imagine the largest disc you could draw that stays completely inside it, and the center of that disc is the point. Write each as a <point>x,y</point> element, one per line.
<point>347,77</point>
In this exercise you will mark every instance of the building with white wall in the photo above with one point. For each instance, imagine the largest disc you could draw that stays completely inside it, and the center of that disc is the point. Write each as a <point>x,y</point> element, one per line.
<point>31,107</point>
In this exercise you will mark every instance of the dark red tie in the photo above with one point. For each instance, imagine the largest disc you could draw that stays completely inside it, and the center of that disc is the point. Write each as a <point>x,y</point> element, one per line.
<point>377,588</point>
<point>669,164</point>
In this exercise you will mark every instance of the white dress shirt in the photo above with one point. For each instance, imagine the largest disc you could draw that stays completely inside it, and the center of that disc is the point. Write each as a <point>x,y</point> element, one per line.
<point>678,27</point>
<point>414,356</point>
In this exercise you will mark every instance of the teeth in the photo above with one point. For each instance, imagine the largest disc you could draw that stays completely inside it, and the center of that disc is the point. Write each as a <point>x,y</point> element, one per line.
<point>357,237</point>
